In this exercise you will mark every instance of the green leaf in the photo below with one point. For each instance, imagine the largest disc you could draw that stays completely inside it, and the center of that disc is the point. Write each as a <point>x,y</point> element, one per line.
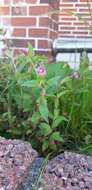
<point>58,120</point>
<point>43,109</point>
<point>27,102</point>
<point>65,80</point>
<point>56,113</point>
<point>16,131</point>
<point>31,51</point>
<point>21,66</point>
<point>56,137</point>
<point>35,117</point>
<point>29,83</point>
<point>53,145</point>
<point>63,93</point>
<point>52,85</point>
<point>45,129</point>
<point>45,145</point>
<point>87,149</point>
<point>51,115</point>
<point>53,81</point>
<point>28,132</point>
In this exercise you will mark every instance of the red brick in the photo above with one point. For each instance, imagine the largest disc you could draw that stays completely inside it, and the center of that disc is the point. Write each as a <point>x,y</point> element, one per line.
<point>68,10</point>
<point>54,4</point>
<point>80,33</point>
<point>6,2</point>
<point>68,15</point>
<point>79,23</point>
<point>60,34</point>
<point>23,21</point>
<point>19,10</point>
<point>20,43</point>
<point>85,1</point>
<point>44,44</point>
<point>27,1</point>
<point>66,5</point>
<point>83,28</point>
<point>31,1</point>
<point>38,10</point>
<point>17,32</point>
<point>44,21</point>
<point>84,10</point>
<point>49,23</point>
<point>65,32</point>
<point>69,1</point>
<point>81,5</point>
<point>65,23</point>
<point>4,10</point>
<point>68,19</point>
<point>67,28</point>
<point>53,35</point>
<point>38,32</point>
<point>44,1</point>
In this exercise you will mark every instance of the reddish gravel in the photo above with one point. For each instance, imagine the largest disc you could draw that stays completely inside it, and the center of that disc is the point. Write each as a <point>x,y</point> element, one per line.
<point>16,157</point>
<point>68,171</point>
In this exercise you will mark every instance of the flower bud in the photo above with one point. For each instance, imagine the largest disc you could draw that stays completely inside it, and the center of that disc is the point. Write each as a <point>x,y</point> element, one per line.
<point>25,51</point>
<point>40,70</point>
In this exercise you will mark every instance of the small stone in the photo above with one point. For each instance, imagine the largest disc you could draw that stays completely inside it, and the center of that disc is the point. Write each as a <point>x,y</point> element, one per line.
<point>1,153</point>
<point>76,188</point>
<point>58,188</point>
<point>68,171</point>
<point>59,172</point>
<point>64,179</point>
<point>81,184</point>
<point>89,164</point>
<point>88,184</point>
<point>66,156</point>
<point>15,160</point>
<point>2,188</point>
<point>74,181</point>
<point>61,183</point>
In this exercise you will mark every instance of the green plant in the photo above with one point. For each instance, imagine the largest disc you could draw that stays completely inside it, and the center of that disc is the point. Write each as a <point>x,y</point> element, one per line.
<point>48,105</point>
<point>30,93</point>
<point>77,106</point>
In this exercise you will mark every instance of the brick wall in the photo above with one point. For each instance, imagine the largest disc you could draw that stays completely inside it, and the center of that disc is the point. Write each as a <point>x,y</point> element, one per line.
<point>31,22</point>
<point>78,23</point>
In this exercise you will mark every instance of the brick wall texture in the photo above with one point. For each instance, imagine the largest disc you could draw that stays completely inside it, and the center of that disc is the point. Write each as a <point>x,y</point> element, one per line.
<point>75,18</point>
<point>31,21</point>
<point>34,21</point>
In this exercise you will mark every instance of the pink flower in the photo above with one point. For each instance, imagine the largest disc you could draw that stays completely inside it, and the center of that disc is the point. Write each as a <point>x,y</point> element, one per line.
<point>41,70</point>
<point>25,51</point>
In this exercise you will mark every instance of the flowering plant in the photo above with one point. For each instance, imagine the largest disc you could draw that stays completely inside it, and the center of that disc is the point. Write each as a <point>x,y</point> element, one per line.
<point>45,104</point>
<point>40,70</point>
